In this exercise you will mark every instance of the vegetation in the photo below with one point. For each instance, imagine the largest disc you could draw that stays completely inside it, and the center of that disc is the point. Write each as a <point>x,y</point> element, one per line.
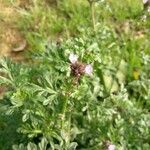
<point>86,84</point>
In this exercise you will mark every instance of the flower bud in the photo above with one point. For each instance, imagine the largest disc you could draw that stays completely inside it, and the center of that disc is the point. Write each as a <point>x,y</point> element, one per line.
<point>73,58</point>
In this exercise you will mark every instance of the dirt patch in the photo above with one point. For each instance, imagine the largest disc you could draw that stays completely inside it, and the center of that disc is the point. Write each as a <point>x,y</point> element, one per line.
<point>10,36</point>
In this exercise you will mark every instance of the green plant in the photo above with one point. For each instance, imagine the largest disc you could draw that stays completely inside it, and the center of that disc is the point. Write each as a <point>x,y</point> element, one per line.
<point>54,104</point>
<point>91,113</point>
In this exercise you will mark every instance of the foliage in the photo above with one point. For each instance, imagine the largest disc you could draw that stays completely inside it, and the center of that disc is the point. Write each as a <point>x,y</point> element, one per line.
<point>50,109</point>
<point>111,105</point>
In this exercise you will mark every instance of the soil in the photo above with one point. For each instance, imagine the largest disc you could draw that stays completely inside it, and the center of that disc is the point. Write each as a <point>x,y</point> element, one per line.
<point>10,36</point>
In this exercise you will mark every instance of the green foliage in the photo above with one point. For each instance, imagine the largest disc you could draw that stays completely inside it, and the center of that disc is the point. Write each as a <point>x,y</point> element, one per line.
<point>111,105</point>
<point>8,127</point>
<point>132,9</point>
<point>50,109</point>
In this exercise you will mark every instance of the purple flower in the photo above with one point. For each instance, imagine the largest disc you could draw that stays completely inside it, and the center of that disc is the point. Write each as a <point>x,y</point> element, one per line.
<point>88,69</point>
<point>73,58</point>
<point>111,147</point>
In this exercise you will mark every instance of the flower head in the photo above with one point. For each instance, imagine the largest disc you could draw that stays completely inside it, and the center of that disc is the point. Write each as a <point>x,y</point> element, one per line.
<point>111,147</point>
<point>73,58</point>
<point>88,69</point>
<point>145,1</point>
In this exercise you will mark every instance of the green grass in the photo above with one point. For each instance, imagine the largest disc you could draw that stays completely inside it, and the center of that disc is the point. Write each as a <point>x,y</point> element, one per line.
<point>42,21</point>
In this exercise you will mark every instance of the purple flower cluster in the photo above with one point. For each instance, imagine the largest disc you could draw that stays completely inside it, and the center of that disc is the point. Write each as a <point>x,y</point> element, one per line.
<point>88,69</point>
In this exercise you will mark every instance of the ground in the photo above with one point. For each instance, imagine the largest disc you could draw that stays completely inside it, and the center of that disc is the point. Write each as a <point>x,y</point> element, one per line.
<point>10,36</point>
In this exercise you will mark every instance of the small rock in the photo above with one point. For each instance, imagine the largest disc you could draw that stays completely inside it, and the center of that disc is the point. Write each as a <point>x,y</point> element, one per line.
<point>21,47</point>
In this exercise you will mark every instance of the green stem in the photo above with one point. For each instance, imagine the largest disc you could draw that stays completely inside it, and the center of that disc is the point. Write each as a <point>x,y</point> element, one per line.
<point>103,81</point>
<point>64,111</point>
<point>65,104</point>
<point>113,79</point>
<point>92,4</point>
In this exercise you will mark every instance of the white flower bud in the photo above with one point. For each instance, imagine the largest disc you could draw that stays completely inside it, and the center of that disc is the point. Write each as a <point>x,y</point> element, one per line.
<point>73,58</point>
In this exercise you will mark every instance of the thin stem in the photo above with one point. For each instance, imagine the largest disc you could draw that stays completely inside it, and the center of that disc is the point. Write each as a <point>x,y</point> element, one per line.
<point>103,81</point>
<point>92,7</point>
<point>64,111</point>
<point>93,15</point>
